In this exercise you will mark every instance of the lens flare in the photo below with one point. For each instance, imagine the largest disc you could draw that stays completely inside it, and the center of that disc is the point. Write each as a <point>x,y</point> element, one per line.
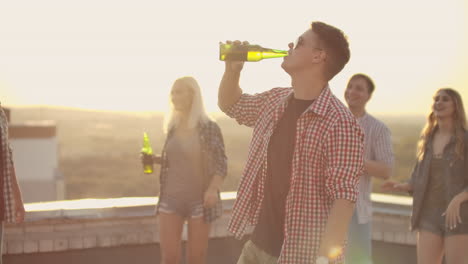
<point>335,252</point>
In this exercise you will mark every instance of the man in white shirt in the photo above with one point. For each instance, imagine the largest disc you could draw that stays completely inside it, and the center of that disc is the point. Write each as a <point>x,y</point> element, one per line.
<point>378,162</point>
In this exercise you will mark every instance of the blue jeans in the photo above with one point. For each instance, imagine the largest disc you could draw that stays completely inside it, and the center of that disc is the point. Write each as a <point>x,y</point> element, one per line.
<point>359,247</point>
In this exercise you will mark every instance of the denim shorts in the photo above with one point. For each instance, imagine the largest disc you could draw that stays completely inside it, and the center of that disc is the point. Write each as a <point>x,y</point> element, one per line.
<point>186,209</point>
<point>434,222</point>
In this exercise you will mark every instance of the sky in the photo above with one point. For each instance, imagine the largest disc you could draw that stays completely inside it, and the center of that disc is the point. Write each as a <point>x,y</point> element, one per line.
<point>124,55</point>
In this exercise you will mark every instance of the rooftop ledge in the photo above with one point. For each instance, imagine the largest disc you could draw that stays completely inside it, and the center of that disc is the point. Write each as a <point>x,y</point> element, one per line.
<point>103,223</point>
<point>144,206</point>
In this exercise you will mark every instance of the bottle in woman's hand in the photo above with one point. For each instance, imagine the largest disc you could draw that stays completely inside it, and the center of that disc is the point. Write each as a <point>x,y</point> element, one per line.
<point>147,153</point>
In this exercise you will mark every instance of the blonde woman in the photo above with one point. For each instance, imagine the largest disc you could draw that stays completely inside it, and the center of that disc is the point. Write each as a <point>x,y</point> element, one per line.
<point>193,166</point>
<point>439,183</point>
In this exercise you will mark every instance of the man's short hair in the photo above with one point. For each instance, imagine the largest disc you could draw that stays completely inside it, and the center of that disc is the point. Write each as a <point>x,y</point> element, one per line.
<point>335,44</point>
<point>370,83</point>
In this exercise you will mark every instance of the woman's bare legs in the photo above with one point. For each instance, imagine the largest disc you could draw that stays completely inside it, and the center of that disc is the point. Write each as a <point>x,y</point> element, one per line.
<point>430,248</point>
<point>197,244</point>
<point>456,249</point>
<point>170,233</point>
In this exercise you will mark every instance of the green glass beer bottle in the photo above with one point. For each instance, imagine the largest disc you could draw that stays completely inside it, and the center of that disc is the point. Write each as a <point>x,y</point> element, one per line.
<point>147,152</point>
<point>229,52</point>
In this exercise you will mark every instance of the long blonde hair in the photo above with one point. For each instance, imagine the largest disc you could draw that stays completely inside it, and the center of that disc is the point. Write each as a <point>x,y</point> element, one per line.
<point>197,112</point>
<point>431,126</point>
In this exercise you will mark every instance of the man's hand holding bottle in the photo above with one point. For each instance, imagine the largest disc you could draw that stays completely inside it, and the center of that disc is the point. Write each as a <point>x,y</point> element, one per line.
<point>235,65</point>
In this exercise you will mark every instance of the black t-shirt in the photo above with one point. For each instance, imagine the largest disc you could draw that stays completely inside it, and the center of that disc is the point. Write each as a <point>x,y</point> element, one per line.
<point>269,232</point>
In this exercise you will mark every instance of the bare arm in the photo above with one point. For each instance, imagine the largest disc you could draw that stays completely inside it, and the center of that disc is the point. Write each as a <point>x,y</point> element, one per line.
<point>452,214</point>
<point>336,229</point>
<point>229,89</point>
<point>463,196</point>
<point>216,183</point>
<point>211,193</point>
<point>378,169</point>
<point>393,186</point>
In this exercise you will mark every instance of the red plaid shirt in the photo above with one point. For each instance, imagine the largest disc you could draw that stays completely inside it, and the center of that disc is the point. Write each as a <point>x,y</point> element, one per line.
<point>326,165</point>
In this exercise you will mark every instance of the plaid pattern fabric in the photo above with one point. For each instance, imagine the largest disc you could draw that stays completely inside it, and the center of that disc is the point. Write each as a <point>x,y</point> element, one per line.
<point>8,176</point>
<point>326,165</point>
<point>214,159</point>
<point>377,147</point>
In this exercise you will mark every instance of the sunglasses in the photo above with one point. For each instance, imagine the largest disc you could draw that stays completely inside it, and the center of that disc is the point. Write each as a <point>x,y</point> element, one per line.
<point>300,42</point>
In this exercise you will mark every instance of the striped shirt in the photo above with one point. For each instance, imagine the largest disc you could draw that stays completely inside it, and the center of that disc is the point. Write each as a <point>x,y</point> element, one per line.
<point>377,147</point>
<point>326,164</point>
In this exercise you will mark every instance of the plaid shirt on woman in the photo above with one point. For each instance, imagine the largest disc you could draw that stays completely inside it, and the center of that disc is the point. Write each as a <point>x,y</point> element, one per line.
<point>214,163</point>
<point>326,164</point>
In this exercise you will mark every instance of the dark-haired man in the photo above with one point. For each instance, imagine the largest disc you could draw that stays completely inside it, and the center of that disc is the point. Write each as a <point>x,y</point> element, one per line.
<point>300,182</point>
<point>378,155</point>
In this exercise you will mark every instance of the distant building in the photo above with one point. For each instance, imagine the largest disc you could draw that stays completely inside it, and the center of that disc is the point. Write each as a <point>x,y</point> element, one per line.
<point>35,153</point>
